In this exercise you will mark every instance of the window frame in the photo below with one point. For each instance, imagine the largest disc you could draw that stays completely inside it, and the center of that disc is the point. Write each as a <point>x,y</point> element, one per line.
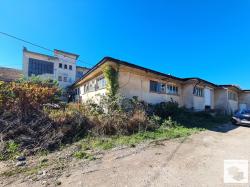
<point>70,67</point>
<point>232,96</point>
<point>65,78</point>
<point>199,91</point>
<point>174,89</point>
<point>65,66</point>
<point>102,83</point>
<point>60,78</point>
<point>157,87</point>
<point>60,65</point>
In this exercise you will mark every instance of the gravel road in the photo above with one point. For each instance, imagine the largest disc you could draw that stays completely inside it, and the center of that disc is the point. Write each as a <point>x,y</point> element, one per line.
<point>194,161</point>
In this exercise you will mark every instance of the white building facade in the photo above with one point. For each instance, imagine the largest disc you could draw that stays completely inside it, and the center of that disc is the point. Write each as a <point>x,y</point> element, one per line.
<point>60,67</point>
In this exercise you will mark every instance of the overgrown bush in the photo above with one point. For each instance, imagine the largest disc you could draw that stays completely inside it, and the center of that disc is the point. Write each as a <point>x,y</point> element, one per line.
<point>167,109</point>
<point>30,122</point>
<point>9,150</point>
<point>26,97</point>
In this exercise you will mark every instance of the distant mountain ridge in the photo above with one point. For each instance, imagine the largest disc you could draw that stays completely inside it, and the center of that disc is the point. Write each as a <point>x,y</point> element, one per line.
<point>9,74</point>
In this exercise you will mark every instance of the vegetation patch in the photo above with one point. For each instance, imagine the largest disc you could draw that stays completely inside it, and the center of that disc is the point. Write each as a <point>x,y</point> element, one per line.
<point>24,170</point>
<point>111,77</point>
<point>162,133</point>
<point>83,155</point>
<point>28,120</point>
<point>11,151</point>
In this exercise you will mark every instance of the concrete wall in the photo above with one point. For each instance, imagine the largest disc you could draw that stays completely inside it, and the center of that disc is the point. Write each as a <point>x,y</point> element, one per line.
<point>132,84</point>
<point>94,96</point>
<point>244,98</point>
<point>195,102</point>
<point>233,106</point>
<point>223,103</point>
<point>70,74</point>
<point>187,96</point>
<point>220,100</point>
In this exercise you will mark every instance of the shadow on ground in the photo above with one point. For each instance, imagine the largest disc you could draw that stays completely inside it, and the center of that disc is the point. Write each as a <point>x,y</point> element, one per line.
<point>224,128</point>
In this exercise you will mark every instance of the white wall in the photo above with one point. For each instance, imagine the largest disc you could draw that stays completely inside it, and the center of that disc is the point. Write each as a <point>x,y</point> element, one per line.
<point>132,84</point>
<point>70,74</point>
<point>244,98</point>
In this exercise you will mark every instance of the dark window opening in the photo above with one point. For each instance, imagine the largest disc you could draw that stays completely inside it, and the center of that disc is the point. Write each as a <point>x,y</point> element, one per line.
<point>59,78</point>
<point>39,67</point>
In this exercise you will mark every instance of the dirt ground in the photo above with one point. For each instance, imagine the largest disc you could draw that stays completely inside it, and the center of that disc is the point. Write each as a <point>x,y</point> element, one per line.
<point>194,161</point>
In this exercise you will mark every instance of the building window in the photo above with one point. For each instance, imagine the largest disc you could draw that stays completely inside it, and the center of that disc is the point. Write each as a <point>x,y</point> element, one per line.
<point>39,67</point>
<point>64,79</point>
<point>100,83</point>
<point>171,89</point>
<point>60,65</point>
<point>59,78</point>
<point>157,87</point>
<point>232,96</point>
<point>65,66</point>
<point>70,67</point>
<point>86,88</point>
<point>198,92</point>
<point>91,86</point>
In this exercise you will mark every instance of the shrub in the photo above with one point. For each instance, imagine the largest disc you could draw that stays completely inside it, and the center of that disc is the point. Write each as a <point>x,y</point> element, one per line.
<point>169,123</point>
<point>166,109</point>
<point>10,150</point>
<point>116,115</point>
<point>27,96</point>
<point>83,155</point>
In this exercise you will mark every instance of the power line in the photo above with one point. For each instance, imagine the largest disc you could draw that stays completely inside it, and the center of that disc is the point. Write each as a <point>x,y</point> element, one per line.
<point>36,45</point>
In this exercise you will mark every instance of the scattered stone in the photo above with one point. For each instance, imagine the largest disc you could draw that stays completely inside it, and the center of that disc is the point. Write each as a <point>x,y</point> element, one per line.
<point>132,145</point>
<point>21,158</point>
<point>67,175</point>
<point>20,163</point>
<point>44,160</point>
<point>58,183</point>
<point>44,182</point>
<point>42,173</point>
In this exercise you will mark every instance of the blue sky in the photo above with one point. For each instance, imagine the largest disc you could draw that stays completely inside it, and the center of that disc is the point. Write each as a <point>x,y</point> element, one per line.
<point>209,39</point>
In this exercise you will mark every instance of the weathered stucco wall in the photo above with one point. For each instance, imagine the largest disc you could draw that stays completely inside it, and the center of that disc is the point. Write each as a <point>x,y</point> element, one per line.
<point>198,103</point>
<point>195,102</point>
<point>70,74</point>
<point>233,106</point>
<point>132,84</point>
<point>95,95</point>
<point>220,99</point>
<point>223,103</point>
<point>187,95</point>
<point>244,98</point>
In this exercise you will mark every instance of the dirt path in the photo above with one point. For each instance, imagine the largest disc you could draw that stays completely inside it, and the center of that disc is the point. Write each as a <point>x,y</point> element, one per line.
<point>194,161</point>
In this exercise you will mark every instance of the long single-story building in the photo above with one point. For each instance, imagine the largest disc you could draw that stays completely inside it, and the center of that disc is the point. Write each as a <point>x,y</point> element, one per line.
<point>155,87</point>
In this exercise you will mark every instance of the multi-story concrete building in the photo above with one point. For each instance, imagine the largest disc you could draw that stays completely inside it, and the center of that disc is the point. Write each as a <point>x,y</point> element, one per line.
<point>61,66</point>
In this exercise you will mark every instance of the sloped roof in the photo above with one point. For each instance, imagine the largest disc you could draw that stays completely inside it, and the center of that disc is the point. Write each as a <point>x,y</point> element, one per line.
<point>68,53</point>
<point>231,86</point>
<point>105,59</point>
<point>200,80</point>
